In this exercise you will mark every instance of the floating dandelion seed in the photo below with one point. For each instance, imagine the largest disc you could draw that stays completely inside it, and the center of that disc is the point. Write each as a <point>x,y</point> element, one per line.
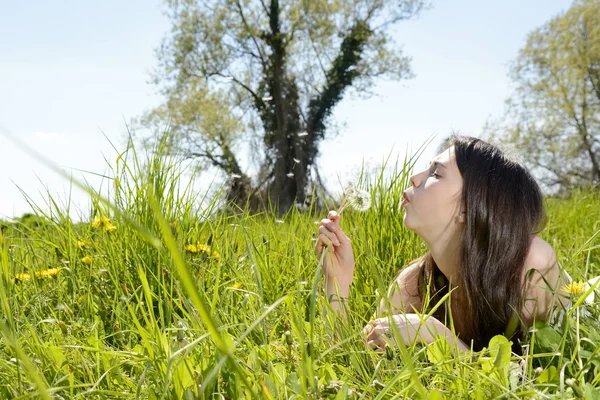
<point>290,175</point>
<point>302,134</point>
<point>575,288</point>
<point>296,161</point>
<point>267,98</point>
<point>235,176</point>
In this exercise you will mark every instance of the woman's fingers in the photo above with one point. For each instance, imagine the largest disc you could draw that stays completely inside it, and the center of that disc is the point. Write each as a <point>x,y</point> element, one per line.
<point>330,235</point>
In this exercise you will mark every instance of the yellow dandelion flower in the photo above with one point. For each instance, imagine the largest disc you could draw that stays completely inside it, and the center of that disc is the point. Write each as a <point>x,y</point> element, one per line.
<point>87,260</point>
<point>110,227</point>
<point>215,254</point>
<point>575,288</point>
<point>48,273</point>
<point>203,248</point>
<point>225,275</point>
<point>237,285</point>
<point>191,248</point>
<point>100,222</point>
<point>80,243</point>
<point>23,276</point>
<point>80,299</point>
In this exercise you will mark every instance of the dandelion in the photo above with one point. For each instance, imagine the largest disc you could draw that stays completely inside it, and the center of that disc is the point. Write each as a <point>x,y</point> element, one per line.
<point>191,248</point>
<point>216,255</point>
<point>100,222</point>
<point>290,175</point>
<point>46,273</point>
<point>574,288</point>
<point>110,227</point>
<point>23,276</point>
<point>361,200</point>
<point>83,243</point>
<point>87,260</point>
<point>237,285</point>
<point>302,134</point>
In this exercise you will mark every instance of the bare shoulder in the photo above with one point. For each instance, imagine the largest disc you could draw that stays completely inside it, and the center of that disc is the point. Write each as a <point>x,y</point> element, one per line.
<point>404,291</point>
<point>541,256</point>
<point>542,278</point>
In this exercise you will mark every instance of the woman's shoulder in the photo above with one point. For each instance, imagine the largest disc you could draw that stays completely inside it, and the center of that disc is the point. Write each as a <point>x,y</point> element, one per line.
<point>540,256</point>
<point>543,278</point>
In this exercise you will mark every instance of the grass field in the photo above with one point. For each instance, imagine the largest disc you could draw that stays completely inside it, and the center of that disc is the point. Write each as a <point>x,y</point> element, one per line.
<point>151,298</point>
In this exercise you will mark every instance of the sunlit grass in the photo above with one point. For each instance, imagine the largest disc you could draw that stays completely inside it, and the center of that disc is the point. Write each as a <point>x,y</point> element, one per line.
<point>154,297</point>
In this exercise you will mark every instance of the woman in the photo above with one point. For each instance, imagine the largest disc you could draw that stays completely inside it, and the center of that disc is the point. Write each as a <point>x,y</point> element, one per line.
<point>478,211</point>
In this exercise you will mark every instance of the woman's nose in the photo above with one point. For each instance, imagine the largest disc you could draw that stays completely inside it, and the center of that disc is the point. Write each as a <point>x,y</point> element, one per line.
<point>414,180</point>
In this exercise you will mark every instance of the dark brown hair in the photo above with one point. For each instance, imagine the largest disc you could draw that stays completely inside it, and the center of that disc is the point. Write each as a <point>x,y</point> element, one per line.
<point>504,211</point>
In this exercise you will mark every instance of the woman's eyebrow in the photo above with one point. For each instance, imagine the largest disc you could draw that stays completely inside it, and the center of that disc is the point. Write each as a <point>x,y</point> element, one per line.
<point>434,163</point>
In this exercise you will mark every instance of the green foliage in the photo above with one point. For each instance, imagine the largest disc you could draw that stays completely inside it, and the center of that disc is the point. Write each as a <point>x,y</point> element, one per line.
<point>180,302</point>
<point>554,113</point>
<point>270,74</point>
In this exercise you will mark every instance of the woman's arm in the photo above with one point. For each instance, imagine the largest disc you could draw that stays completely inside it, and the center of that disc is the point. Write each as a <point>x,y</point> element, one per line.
<point>411,328</point>
<point>403,294</point>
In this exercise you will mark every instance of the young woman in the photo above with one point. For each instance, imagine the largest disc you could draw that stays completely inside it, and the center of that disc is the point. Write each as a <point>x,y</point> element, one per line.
<point>478,210</point>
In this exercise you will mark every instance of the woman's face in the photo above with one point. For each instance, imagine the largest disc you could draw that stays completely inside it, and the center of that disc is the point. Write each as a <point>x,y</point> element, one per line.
<point>434,198</point>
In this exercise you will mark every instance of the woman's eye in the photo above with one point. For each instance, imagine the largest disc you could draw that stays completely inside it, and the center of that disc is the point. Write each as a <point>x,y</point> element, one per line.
<point>434,174</point>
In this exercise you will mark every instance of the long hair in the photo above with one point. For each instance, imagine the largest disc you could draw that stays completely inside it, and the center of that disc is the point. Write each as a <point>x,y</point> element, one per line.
<point>504,210</point>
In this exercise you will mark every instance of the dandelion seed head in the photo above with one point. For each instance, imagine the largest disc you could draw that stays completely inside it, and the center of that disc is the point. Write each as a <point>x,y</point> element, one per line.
<point>361,201</point>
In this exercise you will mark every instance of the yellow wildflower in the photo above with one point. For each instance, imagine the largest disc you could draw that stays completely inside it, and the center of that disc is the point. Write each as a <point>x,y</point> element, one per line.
<point>574,288</point>
<point>110,227</point>
<point>203,248</point>
<point>191,248</point>
<point>23,276</point>
<point>216,255</point>
<point>80,299</point>
<point>237,285</point>
<point>100,222</point>
<point>83,243</point>
<point>87,260</point>
<point>48,273</point>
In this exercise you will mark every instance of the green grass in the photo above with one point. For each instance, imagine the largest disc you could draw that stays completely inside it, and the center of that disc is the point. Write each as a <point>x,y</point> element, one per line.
<point>148,319</point>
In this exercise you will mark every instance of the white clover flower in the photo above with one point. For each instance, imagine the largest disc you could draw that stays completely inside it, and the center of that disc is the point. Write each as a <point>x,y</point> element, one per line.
<point>361,201</point>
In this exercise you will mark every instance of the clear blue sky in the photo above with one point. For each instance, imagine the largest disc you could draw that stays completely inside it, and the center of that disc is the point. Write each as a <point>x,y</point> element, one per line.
<point>71,70</point>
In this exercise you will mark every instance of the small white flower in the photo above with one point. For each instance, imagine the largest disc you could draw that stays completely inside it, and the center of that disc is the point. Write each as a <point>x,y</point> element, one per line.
<point>267,98</point>
<point>301,134</point>
<point>296,161</point>
<point>290,175</point>
<point>361,200</point>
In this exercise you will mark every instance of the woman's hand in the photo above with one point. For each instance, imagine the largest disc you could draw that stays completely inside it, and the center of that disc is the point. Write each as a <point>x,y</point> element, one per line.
<point>338,263</point>
<point>378,332</point>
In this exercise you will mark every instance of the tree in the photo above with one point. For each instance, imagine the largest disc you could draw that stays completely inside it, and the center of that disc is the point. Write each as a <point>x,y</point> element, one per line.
<point>554,115</point>
<point>269,74</point>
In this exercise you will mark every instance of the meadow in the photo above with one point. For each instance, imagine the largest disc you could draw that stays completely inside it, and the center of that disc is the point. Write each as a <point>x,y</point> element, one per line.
<point>152,297</point>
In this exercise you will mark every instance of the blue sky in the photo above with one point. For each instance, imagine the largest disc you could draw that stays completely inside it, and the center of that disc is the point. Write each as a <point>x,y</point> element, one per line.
<point>71,70</point>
